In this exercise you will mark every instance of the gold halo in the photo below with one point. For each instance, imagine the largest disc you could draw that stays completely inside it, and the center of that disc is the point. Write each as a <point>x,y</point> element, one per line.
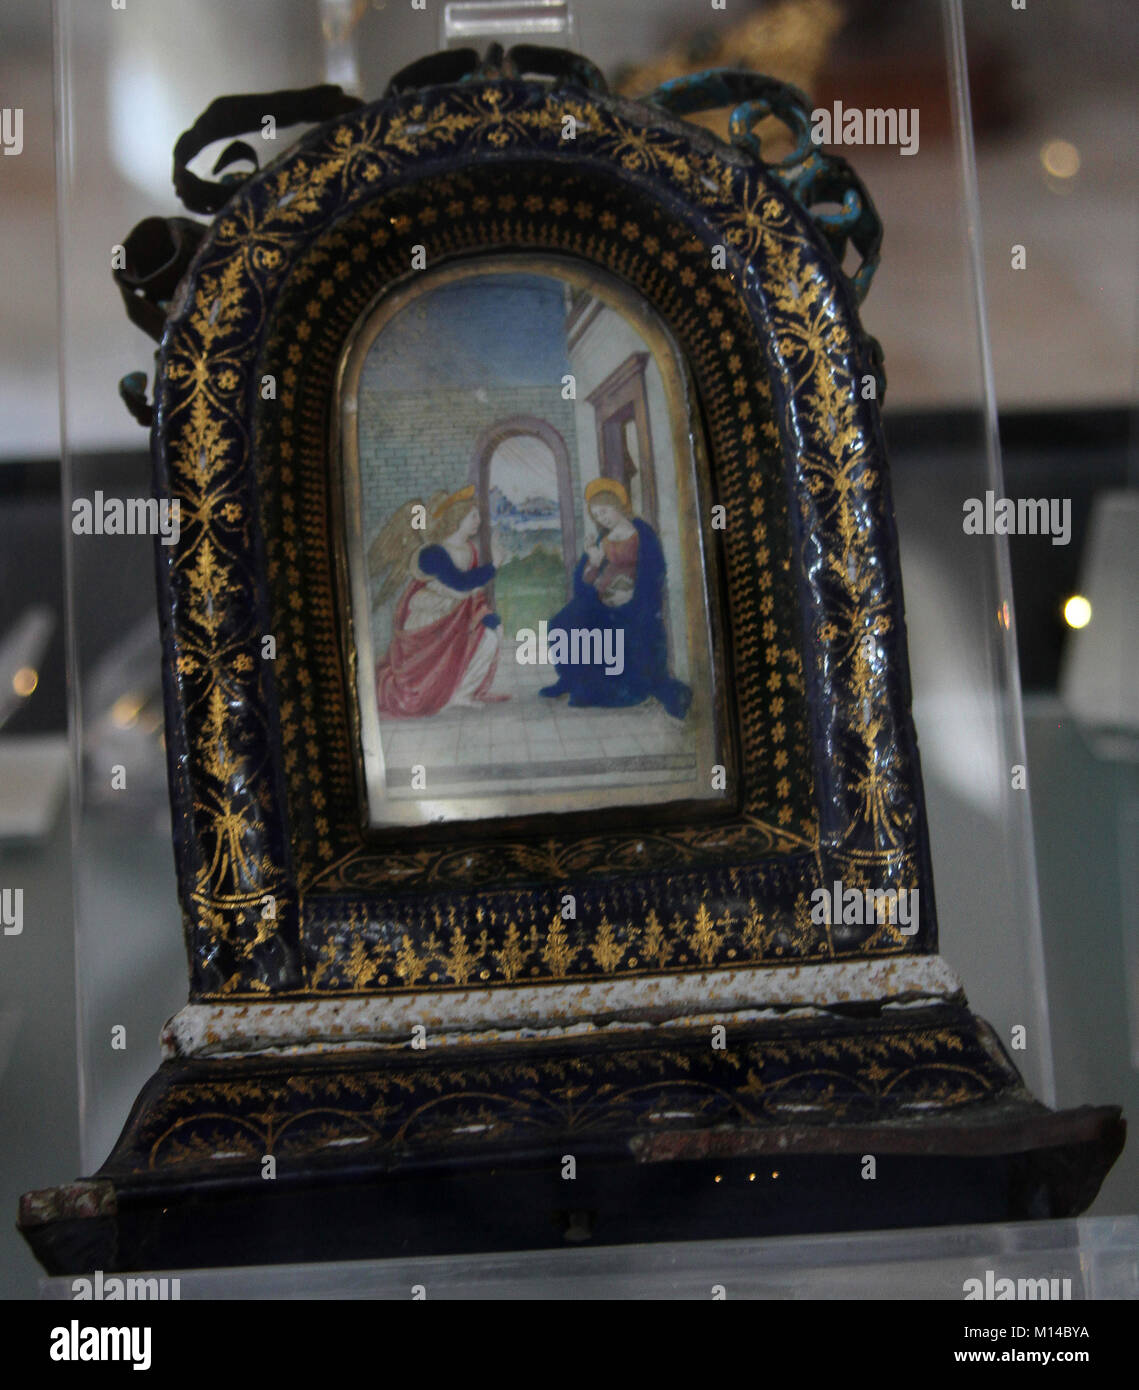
<point>610,485</point>
<point>464,494</point>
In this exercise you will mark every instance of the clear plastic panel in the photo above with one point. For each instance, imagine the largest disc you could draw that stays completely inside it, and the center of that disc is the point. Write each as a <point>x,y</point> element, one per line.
<point>1089,1259</point>
<point>958,588</point>
<point>967,698</point>
<point>129,81</point>
<point>508,21</point>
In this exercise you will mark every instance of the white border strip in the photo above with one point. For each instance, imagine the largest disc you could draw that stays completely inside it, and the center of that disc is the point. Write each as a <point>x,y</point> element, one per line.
<point>530,1011</point>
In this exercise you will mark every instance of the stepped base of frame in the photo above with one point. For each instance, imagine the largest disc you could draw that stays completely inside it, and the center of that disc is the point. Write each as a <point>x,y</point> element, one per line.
<point>898,1117</point>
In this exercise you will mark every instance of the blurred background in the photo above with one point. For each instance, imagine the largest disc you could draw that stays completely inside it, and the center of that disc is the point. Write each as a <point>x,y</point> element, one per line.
<point>1037,888</point>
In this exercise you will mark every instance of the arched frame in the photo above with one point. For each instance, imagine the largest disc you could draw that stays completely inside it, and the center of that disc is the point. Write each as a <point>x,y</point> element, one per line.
<point>686,443</point>
<point>528,426</point>
<point>282,893</point>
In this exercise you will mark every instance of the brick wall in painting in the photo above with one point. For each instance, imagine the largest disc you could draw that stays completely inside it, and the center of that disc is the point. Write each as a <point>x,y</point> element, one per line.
<point>414,443</point>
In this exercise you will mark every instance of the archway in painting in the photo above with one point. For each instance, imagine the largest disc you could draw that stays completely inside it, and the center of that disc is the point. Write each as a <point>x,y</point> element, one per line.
<point>521,472</point>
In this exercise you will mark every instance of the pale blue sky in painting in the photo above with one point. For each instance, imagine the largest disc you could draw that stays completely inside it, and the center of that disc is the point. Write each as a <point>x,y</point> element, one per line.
<point>496,330</point>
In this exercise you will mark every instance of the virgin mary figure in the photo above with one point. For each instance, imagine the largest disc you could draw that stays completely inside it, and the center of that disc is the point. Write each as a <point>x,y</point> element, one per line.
<point>619,584</point>
<point>445,640</point>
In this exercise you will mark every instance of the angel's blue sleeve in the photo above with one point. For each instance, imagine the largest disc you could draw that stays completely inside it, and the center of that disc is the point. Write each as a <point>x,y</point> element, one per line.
<point>434,561</point>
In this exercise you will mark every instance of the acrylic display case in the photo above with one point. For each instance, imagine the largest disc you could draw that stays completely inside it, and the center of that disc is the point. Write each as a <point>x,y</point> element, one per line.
<point>129,83</point>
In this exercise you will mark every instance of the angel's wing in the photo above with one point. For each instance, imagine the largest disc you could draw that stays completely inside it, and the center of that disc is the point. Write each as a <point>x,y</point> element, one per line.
<point>391,554</point>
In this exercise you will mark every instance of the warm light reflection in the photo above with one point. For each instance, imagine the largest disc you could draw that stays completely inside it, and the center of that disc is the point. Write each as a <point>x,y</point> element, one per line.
<point>1077,611</point>
<point>25,680</point>
<point>125,711</point>
<point>1060,158</point>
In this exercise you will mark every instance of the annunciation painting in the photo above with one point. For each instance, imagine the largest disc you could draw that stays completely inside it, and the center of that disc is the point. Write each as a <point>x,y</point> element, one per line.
<point>524,547</point>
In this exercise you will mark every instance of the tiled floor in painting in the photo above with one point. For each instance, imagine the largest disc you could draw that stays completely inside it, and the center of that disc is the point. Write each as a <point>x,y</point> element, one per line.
<point>530,737</point>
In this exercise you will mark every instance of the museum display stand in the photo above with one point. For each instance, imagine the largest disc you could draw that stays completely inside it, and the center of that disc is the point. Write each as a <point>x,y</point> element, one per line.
<point>900,1107</point>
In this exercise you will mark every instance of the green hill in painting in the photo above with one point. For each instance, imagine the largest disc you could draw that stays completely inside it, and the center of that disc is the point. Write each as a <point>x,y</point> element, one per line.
<point>528,589</point>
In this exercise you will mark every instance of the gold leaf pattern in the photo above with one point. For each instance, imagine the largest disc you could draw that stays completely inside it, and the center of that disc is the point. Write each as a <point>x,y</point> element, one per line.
<point>263,248</point>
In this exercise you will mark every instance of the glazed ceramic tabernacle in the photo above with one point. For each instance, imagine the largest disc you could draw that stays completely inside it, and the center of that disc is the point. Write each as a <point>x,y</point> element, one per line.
<point>506,345</point>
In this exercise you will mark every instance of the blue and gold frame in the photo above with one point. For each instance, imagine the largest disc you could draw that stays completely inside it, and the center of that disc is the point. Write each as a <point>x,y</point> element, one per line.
<point>818,736</point>
<point>406,1022</point>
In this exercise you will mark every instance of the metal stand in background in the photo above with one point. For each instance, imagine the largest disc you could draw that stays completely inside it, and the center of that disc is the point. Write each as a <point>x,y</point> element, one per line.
<point>508,22</point>
<point>463,23</point>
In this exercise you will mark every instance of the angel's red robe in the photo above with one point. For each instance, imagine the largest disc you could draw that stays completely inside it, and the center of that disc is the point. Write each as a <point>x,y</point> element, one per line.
<point>424,666</point>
